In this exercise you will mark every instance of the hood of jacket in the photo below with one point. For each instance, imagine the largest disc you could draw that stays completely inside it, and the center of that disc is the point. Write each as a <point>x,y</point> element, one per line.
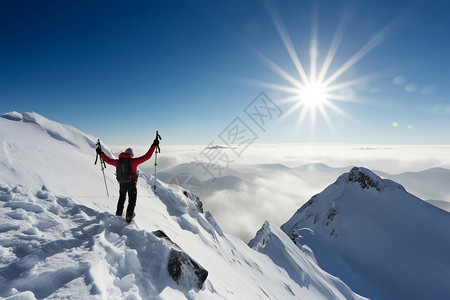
<point>125,155</point>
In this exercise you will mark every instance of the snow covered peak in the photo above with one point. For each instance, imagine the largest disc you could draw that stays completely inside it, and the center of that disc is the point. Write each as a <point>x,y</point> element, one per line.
<point>367,231</point>
<point>359,187</point>
<point>366,179</point>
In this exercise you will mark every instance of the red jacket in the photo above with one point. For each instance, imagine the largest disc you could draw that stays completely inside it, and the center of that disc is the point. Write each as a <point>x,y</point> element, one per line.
<point>135,162</point>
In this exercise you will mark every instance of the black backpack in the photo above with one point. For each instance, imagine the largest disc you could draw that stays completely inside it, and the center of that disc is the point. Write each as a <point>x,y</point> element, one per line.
<point>123,170</point>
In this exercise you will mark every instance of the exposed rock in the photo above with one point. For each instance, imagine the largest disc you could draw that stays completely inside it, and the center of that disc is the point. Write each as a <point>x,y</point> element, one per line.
<point>365,180</point>
<point>195,199</point>
<point>181,267</point>
<point>332,213</point>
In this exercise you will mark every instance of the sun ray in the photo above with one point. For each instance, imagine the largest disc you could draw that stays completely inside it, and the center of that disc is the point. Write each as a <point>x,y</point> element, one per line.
<point>340,98</point>
<point>279,70</point>
<point>333,48</point>
<point>336,109</point>
<point>291,110</point>
<point>369,46</point>
<point>313,51</point>
<point>314,94</point>
<point>279,87</point>
<point>325,116</point>
<point>294,98</point>
<point>302,116</point>
<point>312,112</point>
<point>359,80</point>
<point>282,31</point>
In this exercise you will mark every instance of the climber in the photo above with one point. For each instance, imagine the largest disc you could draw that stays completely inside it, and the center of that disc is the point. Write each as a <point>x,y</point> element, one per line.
<point>126,174</point>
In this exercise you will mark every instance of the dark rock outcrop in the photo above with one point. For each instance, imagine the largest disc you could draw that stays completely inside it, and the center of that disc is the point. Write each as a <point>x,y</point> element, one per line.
<point>181,267</point>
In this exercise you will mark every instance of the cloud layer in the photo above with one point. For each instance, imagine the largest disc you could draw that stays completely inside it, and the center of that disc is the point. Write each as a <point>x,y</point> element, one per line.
<point>276,193</point>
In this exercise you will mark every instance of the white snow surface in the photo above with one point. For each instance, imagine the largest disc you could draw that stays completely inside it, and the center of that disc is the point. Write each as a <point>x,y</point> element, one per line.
<point>60,239</point>
<point>273,242</point>
<point>382,241</point>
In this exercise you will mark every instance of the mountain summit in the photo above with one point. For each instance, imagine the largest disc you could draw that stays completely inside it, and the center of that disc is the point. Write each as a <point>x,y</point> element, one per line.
<point>367,180</point>
<point>382,241</point>
<point>60,239</point>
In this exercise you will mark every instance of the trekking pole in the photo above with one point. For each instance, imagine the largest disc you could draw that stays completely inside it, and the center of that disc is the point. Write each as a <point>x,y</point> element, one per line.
<point>157,150</point>
<point>103,166</point>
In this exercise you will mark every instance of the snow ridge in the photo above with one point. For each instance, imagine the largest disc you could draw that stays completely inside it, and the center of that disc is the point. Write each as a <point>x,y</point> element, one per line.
<point>56,130</point>
<point>299,263</point>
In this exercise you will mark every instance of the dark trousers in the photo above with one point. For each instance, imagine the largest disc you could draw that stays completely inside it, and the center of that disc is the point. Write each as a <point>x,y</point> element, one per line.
<point>125,188</point>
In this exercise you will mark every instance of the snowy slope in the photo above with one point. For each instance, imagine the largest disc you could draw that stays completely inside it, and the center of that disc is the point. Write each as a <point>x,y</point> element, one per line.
<point>380,240</point>
<point>59,239</point>
<point>302,268</point>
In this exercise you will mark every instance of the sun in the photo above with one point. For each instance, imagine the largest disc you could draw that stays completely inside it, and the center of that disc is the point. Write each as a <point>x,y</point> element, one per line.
<point>313,95</point>
<point>319,89</point>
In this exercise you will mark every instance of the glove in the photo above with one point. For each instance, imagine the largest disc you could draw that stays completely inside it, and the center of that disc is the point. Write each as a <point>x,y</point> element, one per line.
<point>156,143</point>
<point>99,150</point>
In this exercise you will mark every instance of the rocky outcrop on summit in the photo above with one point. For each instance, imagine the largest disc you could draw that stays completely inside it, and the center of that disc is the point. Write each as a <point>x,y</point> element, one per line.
<point>366,179</point>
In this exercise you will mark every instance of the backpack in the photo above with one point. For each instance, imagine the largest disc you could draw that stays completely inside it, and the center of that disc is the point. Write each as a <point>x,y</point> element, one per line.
<point>123,170</point>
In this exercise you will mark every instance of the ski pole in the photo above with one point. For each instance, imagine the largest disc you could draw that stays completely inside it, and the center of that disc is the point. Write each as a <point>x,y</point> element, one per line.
<point>103,166</point>
<point>157,150</point>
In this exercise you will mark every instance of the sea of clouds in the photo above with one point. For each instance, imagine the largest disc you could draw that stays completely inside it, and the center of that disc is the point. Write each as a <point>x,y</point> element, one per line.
<point>275,193</point>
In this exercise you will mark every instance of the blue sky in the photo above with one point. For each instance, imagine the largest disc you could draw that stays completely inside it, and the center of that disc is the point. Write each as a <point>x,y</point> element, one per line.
<point>120,70</point>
